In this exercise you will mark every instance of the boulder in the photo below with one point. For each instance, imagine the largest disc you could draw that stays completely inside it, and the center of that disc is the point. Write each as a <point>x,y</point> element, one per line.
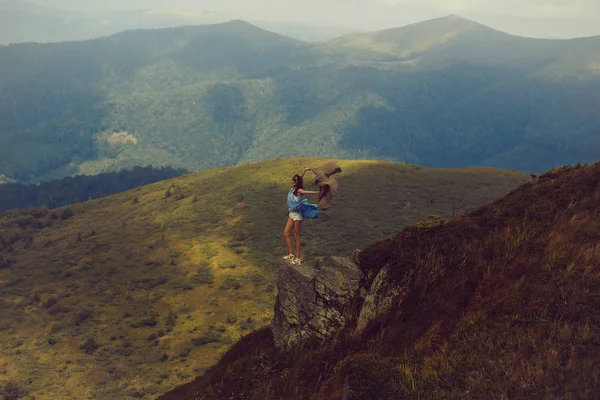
<point>379,298</point>
<point>314,302</point>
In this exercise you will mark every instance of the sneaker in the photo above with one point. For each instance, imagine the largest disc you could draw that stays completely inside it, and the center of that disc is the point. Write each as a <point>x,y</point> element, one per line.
<point>289,257</point>
<point>297,261</point>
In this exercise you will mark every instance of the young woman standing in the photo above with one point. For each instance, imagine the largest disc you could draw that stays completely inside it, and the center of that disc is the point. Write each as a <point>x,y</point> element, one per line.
<point>299,210</point>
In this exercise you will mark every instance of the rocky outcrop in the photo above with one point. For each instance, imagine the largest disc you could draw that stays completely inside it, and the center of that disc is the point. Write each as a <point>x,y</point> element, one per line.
<point>379,298</point>
<point>313,303</point>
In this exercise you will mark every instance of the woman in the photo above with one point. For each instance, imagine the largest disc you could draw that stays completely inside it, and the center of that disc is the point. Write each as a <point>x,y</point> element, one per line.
<point>299,210</point>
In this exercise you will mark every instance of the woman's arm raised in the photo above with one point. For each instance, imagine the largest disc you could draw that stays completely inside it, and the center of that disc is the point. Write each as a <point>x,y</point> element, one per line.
<point>302,191</point>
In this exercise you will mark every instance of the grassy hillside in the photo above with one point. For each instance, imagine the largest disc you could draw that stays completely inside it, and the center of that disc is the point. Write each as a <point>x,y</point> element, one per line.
<point>133,294</point>
<point>442,93</point>
<point>500,303</point>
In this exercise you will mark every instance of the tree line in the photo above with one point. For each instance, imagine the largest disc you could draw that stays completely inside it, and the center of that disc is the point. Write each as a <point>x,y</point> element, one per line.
<point>70,190</point>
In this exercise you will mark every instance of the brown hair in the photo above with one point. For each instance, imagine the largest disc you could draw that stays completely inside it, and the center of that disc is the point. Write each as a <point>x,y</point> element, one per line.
<point>298,184</point>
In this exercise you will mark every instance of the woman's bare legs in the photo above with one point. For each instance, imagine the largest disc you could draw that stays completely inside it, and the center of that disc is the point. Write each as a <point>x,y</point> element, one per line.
<point>286,235</point>
<point>297,229</point>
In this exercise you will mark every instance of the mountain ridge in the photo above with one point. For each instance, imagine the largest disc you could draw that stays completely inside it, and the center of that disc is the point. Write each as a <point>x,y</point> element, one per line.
<point>209,96</point>
<point>457,38</point>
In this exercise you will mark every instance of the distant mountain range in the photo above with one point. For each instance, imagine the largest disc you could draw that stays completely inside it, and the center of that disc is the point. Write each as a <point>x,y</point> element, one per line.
<point>445,93</point>
<point>22,21</point>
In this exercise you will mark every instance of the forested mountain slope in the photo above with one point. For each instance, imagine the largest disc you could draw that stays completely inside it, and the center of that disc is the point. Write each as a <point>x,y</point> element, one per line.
<point>443,93</point>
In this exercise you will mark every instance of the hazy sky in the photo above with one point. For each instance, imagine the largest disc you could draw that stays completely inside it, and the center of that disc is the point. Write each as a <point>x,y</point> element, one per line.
<point>549,18</point>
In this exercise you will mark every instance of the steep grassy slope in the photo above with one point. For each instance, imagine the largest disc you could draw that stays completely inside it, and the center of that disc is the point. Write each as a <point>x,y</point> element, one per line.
<point>133,294</point>
<point>500,303</point>
<point>443,93</point>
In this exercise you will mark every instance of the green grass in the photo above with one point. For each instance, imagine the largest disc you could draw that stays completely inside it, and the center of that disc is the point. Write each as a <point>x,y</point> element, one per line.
<point>150,280</point>
<point>500,303</point>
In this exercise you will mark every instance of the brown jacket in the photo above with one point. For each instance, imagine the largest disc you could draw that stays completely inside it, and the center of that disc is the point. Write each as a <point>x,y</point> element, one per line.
<point>327,185</point>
